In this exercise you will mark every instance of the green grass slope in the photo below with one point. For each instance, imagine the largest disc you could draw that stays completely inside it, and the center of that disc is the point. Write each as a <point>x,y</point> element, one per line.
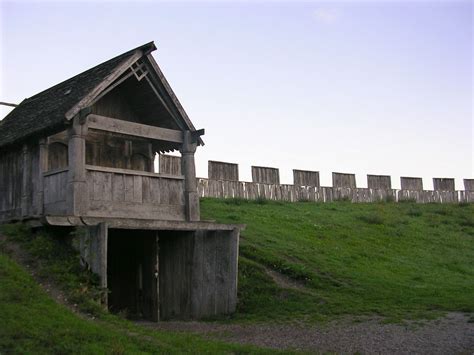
<point>32,323</point>
<point>394,260</point>
<point>402,260</point>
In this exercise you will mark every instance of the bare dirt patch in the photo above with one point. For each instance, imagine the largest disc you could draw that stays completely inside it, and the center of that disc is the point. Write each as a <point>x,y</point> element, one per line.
<point>284,281</point>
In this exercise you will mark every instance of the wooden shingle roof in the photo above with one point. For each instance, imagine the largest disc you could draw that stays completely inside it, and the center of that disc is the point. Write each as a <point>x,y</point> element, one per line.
<point>46,111</point>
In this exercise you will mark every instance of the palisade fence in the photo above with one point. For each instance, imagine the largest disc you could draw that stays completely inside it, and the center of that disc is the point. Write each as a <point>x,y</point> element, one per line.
<point>223,182</point>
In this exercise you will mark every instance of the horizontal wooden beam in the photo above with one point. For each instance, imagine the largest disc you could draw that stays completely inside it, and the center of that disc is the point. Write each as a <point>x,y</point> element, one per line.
<point>132,172</point>
<point>114,125</point>
<point>134,223</point>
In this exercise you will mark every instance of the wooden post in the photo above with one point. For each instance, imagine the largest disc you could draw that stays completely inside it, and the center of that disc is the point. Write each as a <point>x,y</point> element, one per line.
<point>151,157</point>
<point>188,169</point>
<point>93,250</point>
<point>25,182</point>
<point>156,283</point>
<point>77,197</point>
<point>42,168</point>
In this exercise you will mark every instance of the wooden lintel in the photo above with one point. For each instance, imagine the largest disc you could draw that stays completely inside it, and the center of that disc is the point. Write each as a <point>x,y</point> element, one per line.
<point>134,223</point>
<point>109,124</point>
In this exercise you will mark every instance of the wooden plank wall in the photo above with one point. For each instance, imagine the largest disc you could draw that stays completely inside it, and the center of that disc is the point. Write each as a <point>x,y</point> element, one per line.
<point>305,178</point>
<point>55,187</point>
<point>170,164</point>
<point>218,170</point>
<point>18,190</point>
<point>198,273</point>
<point>175,271</point>
<point>11,177</point>
<point>135,196</point>
<point>265,175</point>
<point>443,184</point>
<point>469,184</point>
<point>343,180</point>
<point>214,287</point>
<point>466,196</point>
<point>292,193</point>
<point>411,183</point>
<point>379,182</point>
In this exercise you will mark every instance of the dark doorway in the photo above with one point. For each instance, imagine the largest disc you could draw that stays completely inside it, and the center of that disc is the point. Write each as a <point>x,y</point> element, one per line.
<point>132,273</point>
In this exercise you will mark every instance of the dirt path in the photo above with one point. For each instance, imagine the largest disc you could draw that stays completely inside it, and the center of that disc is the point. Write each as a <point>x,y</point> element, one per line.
<point>31,266</point>
<point>452,334</point>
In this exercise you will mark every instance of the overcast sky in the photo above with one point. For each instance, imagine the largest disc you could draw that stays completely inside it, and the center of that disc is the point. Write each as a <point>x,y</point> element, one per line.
<point>361,87</point>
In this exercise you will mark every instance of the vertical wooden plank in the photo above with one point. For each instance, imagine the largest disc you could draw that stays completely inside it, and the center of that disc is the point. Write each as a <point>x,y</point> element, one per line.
<point>209,274</point>
<point>118,188</point>
<point>128,188</point>
<point>197,280</point>
<point>137,189</point>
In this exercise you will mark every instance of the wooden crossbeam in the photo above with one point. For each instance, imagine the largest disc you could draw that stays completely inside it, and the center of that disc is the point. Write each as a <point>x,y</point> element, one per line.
<point>110,124</point>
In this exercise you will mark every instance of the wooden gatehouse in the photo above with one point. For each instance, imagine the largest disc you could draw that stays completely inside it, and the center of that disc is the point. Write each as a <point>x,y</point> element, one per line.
<point>81,154</point>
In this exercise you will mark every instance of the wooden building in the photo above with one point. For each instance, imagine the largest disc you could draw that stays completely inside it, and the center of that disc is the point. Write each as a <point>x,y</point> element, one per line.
<point>81,154</point>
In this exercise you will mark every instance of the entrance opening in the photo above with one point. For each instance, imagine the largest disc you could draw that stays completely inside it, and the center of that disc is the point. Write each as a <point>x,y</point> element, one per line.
<point>132,273</point>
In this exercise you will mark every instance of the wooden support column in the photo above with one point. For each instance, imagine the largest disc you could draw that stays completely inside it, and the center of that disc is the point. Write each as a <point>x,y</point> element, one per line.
<point>25,186</point>
<point>188,169</point>
<point>77,197</point>
<point>93,242</point>
<point>42,168</point>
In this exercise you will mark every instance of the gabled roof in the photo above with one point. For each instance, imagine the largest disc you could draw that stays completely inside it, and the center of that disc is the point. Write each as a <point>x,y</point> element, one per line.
<point>50,110</point>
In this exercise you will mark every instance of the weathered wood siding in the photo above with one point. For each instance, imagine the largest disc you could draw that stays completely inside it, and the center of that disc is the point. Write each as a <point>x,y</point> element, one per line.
<point>343,180</point>
<point>265,175</point>
<point>443,184</point>
<point>466,196</point>
<point>11,177</point>
<point>57,156</point>
<point>427,196</point>
<point>469,184</point>
<point>379,182</point>
<point>292,193</point>
<point>115,104</point>
<point>218,170</point>
<point>55,187</point>
<point>175,271</point>
<point>170,164</point>
<point>411,183</point>
<point>198,273</point>
<point>134,195</point>
<point>19,182</point>
<point>306,178</point>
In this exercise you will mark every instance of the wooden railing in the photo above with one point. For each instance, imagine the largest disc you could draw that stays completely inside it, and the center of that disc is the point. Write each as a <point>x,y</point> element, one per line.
<point>126,193</point>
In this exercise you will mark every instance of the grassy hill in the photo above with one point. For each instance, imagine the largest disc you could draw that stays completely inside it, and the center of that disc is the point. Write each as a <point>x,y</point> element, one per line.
<point>298,262</point>
<point>33,323</point>
<point>402,260</point>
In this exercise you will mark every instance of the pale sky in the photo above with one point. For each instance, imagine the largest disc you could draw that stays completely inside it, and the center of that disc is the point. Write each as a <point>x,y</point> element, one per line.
<point>359,87</point>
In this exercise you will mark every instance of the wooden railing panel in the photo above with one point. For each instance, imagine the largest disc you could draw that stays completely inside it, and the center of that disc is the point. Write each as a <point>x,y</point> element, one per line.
<point>115,194</point>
